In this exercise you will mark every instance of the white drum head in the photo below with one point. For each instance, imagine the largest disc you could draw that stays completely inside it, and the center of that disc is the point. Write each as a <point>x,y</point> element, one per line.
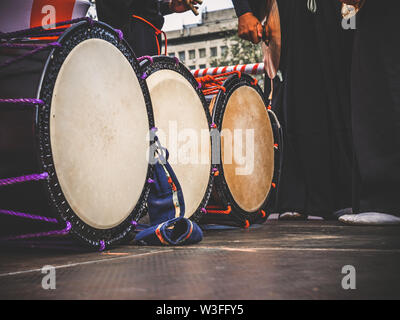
<point>99,134</point>
<point>249,178</point>
<point>184,130</point>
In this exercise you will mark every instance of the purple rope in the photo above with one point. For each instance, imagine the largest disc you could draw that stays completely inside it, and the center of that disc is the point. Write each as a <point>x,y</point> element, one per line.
<point>143,76</point>
<point>23,101</point>
<point>134,223</point>
<point>28,216</point>
<point>31,177</point>
<point>140,59</point>
<point>176,60</point>
<point>26,32</point>
<point>41,234</point>
<point>199,85</point>
<point>204,210</point>
<point>20,45</point>
<point>102,245</point>
<point>120,34</point>
<point>150,180</point>
<point>30,53</point>
<point>47,34</point>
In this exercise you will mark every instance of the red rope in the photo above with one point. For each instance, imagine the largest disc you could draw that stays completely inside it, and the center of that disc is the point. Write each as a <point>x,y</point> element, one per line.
<point>212,84</point>
<point>157,32</point>
<point>228,210</point>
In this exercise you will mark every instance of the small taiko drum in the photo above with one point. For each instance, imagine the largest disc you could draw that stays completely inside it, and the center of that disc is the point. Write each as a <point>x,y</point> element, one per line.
<point>75,117</point>
<point>246,150</point>
<point>183,127</point>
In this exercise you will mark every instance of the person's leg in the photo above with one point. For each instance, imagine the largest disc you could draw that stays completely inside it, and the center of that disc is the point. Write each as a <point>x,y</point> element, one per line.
<point>376,113</point>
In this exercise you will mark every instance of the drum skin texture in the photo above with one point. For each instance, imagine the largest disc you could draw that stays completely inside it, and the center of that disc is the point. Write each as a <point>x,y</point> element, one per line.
<point>250,162</point>
<point>179,107</point>
<point>90,136</point>
<point>98,123</point>
<point>245,111</point>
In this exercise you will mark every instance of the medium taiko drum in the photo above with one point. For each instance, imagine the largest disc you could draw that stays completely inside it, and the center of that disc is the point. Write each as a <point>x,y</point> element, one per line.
<point>183,123</point>
<point>74,126</point>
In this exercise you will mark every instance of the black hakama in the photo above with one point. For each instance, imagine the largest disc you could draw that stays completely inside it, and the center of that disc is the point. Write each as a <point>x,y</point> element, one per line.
<point>313,105</point>
<point>376,106</point>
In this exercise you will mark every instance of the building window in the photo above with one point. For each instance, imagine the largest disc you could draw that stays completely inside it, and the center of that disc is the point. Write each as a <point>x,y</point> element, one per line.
<point>182,55</point>
<point>171,54</point>
<point>224,50</point>
<point>213,51</point>
<point>192,67</point>
<point>202,66</point>
<point>192,54</point>
<point>202,53</point>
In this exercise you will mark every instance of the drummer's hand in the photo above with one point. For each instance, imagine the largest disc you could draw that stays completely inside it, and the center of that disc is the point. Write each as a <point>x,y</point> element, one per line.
<point>184,5</point>
<point>250,28</point>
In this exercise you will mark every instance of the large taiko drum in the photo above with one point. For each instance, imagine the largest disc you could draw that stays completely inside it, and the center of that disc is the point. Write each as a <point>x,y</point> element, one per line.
<point>183,122</point>
<point>74,125</point>
<point>247,159</point>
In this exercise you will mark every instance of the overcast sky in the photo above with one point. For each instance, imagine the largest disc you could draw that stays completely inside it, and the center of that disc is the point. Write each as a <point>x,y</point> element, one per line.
<point>175,21</point>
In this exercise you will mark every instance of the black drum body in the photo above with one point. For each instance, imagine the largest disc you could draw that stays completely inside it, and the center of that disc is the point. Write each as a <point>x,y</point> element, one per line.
<point>177,98</point>
<point>26,145</point>
<point>245,198</point>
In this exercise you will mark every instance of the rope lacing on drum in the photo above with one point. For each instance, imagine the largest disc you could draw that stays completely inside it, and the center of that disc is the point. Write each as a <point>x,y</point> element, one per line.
<point>212,84</point>
<point>28,54</point>
<point>23,179</point>
<point>120,34</point>
<point>23,101</point>
<point>219,210</point>
<point>42,30</point>
<point>149,58</point>
<point>61,232</point>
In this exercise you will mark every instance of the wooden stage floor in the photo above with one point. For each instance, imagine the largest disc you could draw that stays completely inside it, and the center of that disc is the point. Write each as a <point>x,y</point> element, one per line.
<point>278,260</point>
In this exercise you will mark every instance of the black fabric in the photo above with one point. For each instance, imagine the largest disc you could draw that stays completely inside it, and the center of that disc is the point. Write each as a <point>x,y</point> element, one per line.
<point>117,12</point>
<point>244,6</point>
<point>313,105</point>
<point>376,106</point>
<point>140,36</point>
<point>241,7</point>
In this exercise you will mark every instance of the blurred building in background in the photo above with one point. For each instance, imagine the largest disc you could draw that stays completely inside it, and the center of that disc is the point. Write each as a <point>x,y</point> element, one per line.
<point>199,44</point>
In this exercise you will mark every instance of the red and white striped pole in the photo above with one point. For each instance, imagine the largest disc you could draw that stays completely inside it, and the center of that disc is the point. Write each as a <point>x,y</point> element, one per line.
<point>254,69</point>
